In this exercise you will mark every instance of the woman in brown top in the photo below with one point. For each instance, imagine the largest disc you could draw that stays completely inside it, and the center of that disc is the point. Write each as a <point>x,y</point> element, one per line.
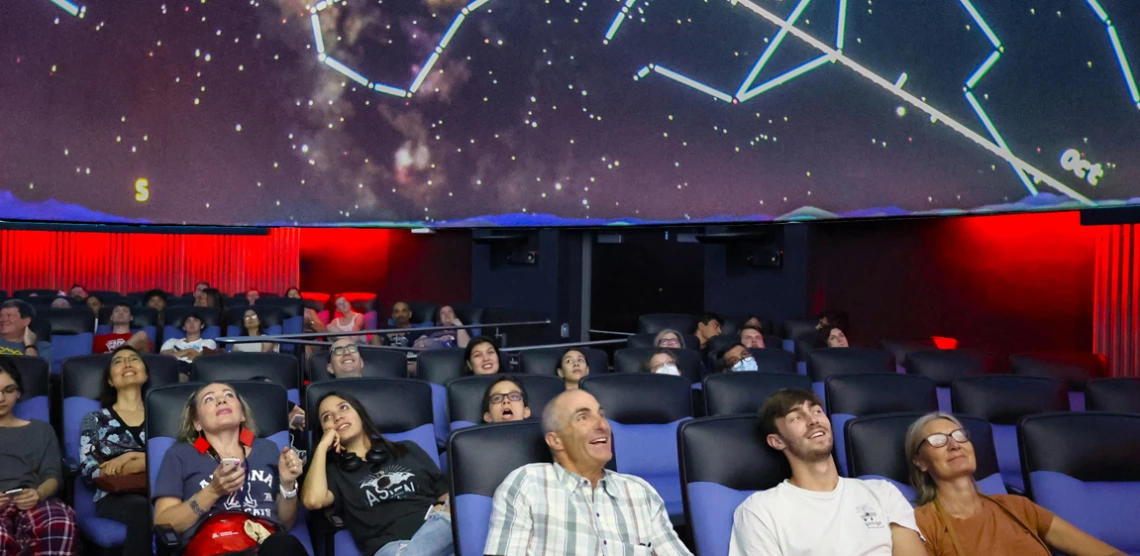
<point>958,520</point>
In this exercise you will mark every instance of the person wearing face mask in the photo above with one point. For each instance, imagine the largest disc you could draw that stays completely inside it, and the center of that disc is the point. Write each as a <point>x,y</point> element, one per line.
<point>572,368</point>
<point>662,362</point>
<point>736,358</point>
<point>505,400</point>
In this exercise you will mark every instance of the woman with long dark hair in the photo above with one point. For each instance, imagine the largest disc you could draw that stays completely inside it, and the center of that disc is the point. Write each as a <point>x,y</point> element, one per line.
<point>251,325</point>
<point>391,495</point>
<point>481,357</point>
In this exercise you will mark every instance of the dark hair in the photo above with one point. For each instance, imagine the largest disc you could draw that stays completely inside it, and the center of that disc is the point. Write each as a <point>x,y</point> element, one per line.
<point>25,308</point>
<point>214,298</point>
<point>80,286</point>
<point>260,324</point>
<point>154,293</point>
<point>822,334</point>
<point>193,315</point>
<point>749,327</point>
<point>720,353</point>
<point>110,394</point>
<point>834,317</point>
<point>7,366</point>
<point>511,379</point>
<point>291,288</point>
<point>118,304</point>
<point>645,364</point>
<point>779,405</point>
<point>558,365</point>
<point>366,423</point>
<point>477,341</point>
<point>709,316</point>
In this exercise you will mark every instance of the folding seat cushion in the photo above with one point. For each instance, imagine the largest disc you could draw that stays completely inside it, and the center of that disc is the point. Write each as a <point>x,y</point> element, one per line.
<point>828,362</point>
<point>744,393</point>
<point>1003,400</point>
<point>646,341</point>
<point>72,333</point>
<point>654,323</point>
<point>876,449</point>
<point>279,368</point>
<point>1120,395</point>
<point>35,400</point>
<point>1074,367</point>
<point>1085,467</point>
<point>465,396</point>
<point>644,411</point>
<point>850,396</point>
<point>633,360</point>
<point>545,361</point>
<point>378,363</point>
<point>723,461</point>
<point>943,366</point>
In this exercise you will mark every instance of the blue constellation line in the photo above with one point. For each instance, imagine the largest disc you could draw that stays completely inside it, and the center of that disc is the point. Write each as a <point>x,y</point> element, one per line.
<point>340,67</point>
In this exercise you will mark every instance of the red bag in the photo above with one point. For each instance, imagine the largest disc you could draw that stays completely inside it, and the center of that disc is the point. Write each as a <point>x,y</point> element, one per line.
<point>226,533</point>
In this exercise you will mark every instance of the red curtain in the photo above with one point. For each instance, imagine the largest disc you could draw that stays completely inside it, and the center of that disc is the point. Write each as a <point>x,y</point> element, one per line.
<point>1116,307</point>
<point>127,262</point>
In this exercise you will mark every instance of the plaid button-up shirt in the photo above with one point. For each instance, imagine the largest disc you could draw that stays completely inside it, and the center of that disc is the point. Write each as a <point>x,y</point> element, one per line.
<point>543,509</point>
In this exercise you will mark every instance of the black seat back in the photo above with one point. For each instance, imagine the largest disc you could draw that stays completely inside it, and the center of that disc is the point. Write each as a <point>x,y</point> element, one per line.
<point>378,363</point>
<point>744,393</point>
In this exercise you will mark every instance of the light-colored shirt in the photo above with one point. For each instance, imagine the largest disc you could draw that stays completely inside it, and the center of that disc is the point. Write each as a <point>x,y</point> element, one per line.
<point>543,509</point>
<point>852,520</point>
<point>181,344</point>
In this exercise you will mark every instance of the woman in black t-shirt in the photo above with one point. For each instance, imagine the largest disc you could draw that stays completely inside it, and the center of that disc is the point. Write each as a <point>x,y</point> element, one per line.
<point>391,495</point>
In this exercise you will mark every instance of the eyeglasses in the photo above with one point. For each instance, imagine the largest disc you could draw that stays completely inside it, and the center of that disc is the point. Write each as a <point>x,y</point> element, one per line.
<point>669,342</point>
<point>939,439</point>
<point>514,396</point>
<point>251,316</point>
<point>341,350</point>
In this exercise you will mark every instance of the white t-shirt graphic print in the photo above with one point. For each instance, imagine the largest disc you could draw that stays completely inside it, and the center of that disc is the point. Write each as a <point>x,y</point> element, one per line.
<point>852,520</point>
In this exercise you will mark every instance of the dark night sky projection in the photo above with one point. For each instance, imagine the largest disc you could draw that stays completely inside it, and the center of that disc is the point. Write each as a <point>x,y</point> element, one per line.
<point>501,112</point>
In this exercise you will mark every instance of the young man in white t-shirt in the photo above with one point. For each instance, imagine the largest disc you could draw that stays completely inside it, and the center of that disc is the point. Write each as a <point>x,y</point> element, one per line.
<point>193,345</point>
<point>816,512</point>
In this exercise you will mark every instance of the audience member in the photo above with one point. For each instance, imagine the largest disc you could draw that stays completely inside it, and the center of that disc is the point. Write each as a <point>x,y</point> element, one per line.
<point>31,520</point>
<point>662,362</point>
<point>575,505</point>
<point>344,359</point>
<point>832,317</point>
<point>193,345</point>
<point>16,338</point>
<point>956,519</point>
<point>60,303</point>
<point>669,338</point>
<point>78,293</point>
<point>354,323</point>
<point>121,334</point>
<point>393,498</point>
<point>452,337</point>
<point>707,327</point>
<point>753,320</point>
<point>95,303</point>
<point>816,511</point>
<point>252,326</point>
<point>830,337</point>
<point>156,299</point>
<point>112,448</point>
<point>572,367</point>
<point>293,292</point>
<point>252,296</point>
<point>751,337</point>
<point>201,287</point>
<point>209,297</point>
<point>736,358</point>
<point>482,356</point>
<point>219,473</point>
<point>401,318</point>
<point>505,400</point>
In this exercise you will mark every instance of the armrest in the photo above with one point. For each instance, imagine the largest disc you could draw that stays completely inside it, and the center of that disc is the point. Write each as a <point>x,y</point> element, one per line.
<point>166,540</point>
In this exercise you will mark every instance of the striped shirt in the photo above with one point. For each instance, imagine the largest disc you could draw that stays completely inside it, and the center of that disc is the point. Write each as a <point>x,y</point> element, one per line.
<point>543,509</point>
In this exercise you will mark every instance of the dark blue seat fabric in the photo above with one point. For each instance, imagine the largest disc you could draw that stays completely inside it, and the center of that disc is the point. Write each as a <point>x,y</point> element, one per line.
<point>142,318</point>
<point>902,348</point>
<point>438,367</point>
<point>876,449</point>
<point>546,361</point>
<point>1085,467</point>
<point>292,312</point>
<point>174,315</point>
<point>632,360</point>
<point>279,368</point>
<point>35,400</point>
<point>1074,367</point>
<point>271,317</point>
<point>644,411</point>
<point>828,362</point>
<point>1120,395</point>
<point>646,341</point>
<point>378,363</point>
<point>773,358</point>
<point>34,292</point>
<point>1003,400</point>
<point>799,329</point>
<point>744,393</point>
<point>654,323</point>
<point>479,458</point>
<point>465,396</point>
<point>851,396</point>
<point>72,333</point>
<point>723,461</point>
<point>943,366</point>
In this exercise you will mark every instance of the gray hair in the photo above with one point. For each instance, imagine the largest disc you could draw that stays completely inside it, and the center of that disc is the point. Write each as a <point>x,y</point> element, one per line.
<point>922,482</point>
<point>551,417</point>
<point>680,337</point>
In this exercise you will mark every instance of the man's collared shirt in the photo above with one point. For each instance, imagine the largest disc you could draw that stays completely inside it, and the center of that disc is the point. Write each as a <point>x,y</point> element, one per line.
<point>544,509</point>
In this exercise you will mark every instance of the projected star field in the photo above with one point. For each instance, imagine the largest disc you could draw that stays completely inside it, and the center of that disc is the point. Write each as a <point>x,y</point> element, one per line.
<point>563,112</point>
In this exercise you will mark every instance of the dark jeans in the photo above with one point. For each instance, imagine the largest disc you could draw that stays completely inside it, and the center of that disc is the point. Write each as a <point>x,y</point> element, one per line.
<point>131,510</point>
<point>282,544</point>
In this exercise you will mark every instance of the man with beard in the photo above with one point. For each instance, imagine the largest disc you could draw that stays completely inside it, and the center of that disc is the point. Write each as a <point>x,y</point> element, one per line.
<point>816,511</point>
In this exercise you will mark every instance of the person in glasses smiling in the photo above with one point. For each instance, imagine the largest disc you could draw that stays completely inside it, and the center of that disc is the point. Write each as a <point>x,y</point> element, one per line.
<point>505,400</point>
<point>956,519</point>
<point>344,359</point>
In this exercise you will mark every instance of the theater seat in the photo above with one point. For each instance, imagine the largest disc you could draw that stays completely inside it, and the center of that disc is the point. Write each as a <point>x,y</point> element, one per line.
<point>465,396</point>
<point>632,360</point>
<point>35,400</point>
<point>400,408</point>
<point>723,461</point>
<point>876,449</point>
<point>279,368</point>
<point>378,363</point>
<point>34,292</point>
<point>1120,395</point>
<point>211,320</point>
<point>545,361</point>
<point>943,366</point>
<point>776,361</point>
<point>744,393</point>
<point>1085,467</point>
<point>1003,400</point>
<point>271,317</point>
<point>901,348</point>
<point>852,396</point>
<point>828,362</point>
<point>654,323</point>
<point>1074,367</point>
<point>479,458</point>
<point>142,318</point>
<point>438,367</point>
<point>72,333</point>
<point>644,411</point>
<point>646,341</point>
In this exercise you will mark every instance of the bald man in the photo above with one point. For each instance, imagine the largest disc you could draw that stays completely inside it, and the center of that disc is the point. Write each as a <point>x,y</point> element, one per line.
<point>575,505</point>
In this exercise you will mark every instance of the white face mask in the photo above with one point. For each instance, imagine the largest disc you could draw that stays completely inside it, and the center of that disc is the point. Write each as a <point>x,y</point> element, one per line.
<point>668,369</point>
<point>746,364</point>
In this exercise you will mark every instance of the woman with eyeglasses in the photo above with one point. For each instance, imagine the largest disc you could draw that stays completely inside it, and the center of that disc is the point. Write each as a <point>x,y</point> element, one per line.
<point>958,520</point>
<point>251,326</point>
<point>669,338</point>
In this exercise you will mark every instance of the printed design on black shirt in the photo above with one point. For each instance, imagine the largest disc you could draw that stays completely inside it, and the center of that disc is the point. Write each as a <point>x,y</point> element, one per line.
<point>390,482</point>
<point>870,517</point>
<point>5,350</point>
<point>244,499</point>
